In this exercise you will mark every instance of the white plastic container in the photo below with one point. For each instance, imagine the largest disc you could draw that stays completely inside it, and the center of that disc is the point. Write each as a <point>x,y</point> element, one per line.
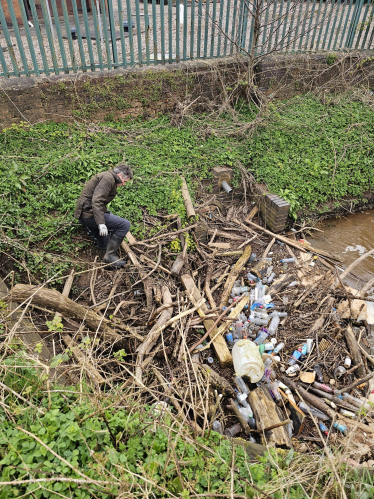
<point>247,360</point>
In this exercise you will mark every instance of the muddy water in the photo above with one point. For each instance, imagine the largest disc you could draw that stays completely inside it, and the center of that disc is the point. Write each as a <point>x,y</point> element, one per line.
<point>349,237</point>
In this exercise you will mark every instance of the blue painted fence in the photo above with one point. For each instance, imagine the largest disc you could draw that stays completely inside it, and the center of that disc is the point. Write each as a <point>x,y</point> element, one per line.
<point>48,38</point>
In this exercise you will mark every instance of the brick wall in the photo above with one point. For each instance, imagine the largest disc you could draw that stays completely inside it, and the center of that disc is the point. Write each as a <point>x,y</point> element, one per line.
<point>121,93</point>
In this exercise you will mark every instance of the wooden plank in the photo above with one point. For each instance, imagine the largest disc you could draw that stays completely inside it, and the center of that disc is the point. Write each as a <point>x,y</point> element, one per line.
<point>252,213</point>
<point>267,414</point>
<point>187,199</point>
<point>354,350</point>
<point>224,246</point>
<point>219,343</point>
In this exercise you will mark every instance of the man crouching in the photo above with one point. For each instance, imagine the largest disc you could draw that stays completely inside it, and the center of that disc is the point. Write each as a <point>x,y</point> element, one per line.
<point>92,212</point>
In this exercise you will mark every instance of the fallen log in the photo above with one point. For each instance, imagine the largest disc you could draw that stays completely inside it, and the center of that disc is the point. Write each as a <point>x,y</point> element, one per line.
<point>354,350</point>
<point>295,244</point>
<point>267,414</point>
<point>154,333</point>
<point>50,298</point>
<point>219,343</point>
<point>217,381</point>
<point>282,282</point>
<point>309,398</point>
<point>179,262</point>
<point>235,271</point>
<point>187,199</point>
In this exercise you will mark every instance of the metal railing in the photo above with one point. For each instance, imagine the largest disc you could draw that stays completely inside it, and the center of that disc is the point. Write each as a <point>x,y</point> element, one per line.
<point>51,37</point>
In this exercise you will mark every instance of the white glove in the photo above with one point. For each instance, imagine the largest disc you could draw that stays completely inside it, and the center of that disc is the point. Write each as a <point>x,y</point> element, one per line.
<point>103,230</point>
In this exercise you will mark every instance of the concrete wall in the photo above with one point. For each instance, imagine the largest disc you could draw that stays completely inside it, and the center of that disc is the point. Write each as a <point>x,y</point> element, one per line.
<point>121,94</point>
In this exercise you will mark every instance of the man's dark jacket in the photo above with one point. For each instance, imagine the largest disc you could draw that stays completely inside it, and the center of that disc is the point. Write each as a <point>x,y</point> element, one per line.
<point>97,193</point>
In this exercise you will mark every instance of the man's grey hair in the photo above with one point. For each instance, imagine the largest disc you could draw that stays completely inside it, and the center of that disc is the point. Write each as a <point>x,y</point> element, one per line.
<point>124,169</point>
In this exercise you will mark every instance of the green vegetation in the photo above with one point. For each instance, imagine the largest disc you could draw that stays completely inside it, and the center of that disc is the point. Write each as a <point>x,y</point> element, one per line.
<point>307,152</point>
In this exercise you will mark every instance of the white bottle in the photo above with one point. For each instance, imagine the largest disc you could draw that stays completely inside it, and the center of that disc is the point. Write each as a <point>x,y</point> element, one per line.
<point>273,325</point>
<point>247,360</point>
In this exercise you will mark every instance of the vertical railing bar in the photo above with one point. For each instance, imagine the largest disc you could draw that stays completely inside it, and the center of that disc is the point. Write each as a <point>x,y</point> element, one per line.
<point>3,63</point>
<point>303,27</point>
<point>113,37</point>
<point>79,35</point>
<point>265,28</point>
<point>162,24</point>
<point>185,21</point>
<point>39,36</point>
<point>298,23</point>
<point>170,32</point>
<point>363,21</point>
<point>345,24</point>
<point>351,22</point>
<point>371,37</point>
<point>332,31</point>
<point>233,26</point>
<point>206,28</point>
<point>192,37</point>
<point>105,33</point>
<point>28,36</point>
<point>98,34</point>
<point>213,29</point>
<point>324,16</point>
<point>49,36</point>
<point>240,24</point>
<point>328,24</point>
<point>355,18</point>
<point>289,37</point>
<point>59,36</point>
<point>220,27</point>
<point>279,24</point>
<point>344,4</point>
<point>121,30</point>
<point>200,15</point>
<point>368,27</point>
<point>68,35</point>
<point>131,38</point>
<point>18,37</point>
<point>147,30</point>
<point>154,32</point>
<point>271,31</point>
<point>88,35</point>
<point>227,24</point>
<point>245,25</point>
<point>139,33</point>
<point>316,25</point>
<point>177,28</point>
<point>285,24</point>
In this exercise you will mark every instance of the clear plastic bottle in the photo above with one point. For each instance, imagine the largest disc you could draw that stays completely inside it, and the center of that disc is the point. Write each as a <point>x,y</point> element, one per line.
<point>258,321</point>
<point>270,278</point>
<point>295,357</point>
<point>261,337</point>
<point>241,384</point>
<point>323,387</point>
<point>312,410</point>
<point>252,258</point>
<point>234,430</point>
<point>261,314</point>
<point>278,348</point>
<point>356,401</point>
<point>273,325</point>
<point>217,426</point>
<point>246,412</point>
<point>340,427</point>
<point>287,260</point>
<point>274,392</point>
<point>275,313</point>
<point>238,329</point>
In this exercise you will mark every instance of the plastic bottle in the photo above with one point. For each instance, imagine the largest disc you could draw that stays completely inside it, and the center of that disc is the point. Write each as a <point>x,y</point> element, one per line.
<point>341,428</point>
<point>259,293</point>
<point>230,339</point>
<point>340,370</point>
<point>234,430</point>
<point>270,278</point>
<point>238,330</point>
<point>309,343</point>
<point>258,321</point>
<point>247,360</point>
<point>287,391</point>
<point>269,270</point>
<point>279,314</point>
<point>323,428</point>
<point>274,325</point>
<point>348,414</point>
<point>323,387</point>
<point>269,346</point>
<point>252,423</point>
<point>292,284</point>
<point>303,349</point>
<point>287,260</point>
<point>284,266</point>
<point>252,277</point>
<point>216,426</point>
<point>307,409</point>
<point>239,290</point>
<point>241,384</point>
<point>278,348</point>
<point>252,258</point>
<point>274,392</point>
<point>356,401</point>
<point>246,412</point>
<point>261,338</point>
<point>295,357</point>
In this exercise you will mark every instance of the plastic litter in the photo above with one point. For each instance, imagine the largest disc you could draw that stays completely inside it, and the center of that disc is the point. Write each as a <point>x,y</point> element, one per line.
<point>247,360</point>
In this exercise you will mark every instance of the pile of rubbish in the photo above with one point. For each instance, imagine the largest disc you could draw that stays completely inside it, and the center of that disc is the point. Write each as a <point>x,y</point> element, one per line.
<point>243,332</point>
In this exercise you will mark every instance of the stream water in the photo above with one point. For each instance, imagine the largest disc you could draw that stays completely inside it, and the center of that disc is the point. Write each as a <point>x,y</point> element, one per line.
<point>349,237</point>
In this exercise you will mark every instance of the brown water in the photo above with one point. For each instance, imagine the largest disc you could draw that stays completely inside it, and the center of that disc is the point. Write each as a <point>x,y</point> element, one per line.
<point>350,237</point>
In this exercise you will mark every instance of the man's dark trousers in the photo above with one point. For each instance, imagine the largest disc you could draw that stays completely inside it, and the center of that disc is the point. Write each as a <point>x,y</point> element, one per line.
<point>115,224</point>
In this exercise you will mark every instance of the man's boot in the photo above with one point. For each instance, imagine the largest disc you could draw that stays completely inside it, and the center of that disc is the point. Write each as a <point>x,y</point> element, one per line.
<point>111,252</point>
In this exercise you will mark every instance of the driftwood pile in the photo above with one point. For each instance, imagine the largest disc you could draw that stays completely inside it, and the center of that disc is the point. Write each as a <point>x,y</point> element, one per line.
<point>158,325</point>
